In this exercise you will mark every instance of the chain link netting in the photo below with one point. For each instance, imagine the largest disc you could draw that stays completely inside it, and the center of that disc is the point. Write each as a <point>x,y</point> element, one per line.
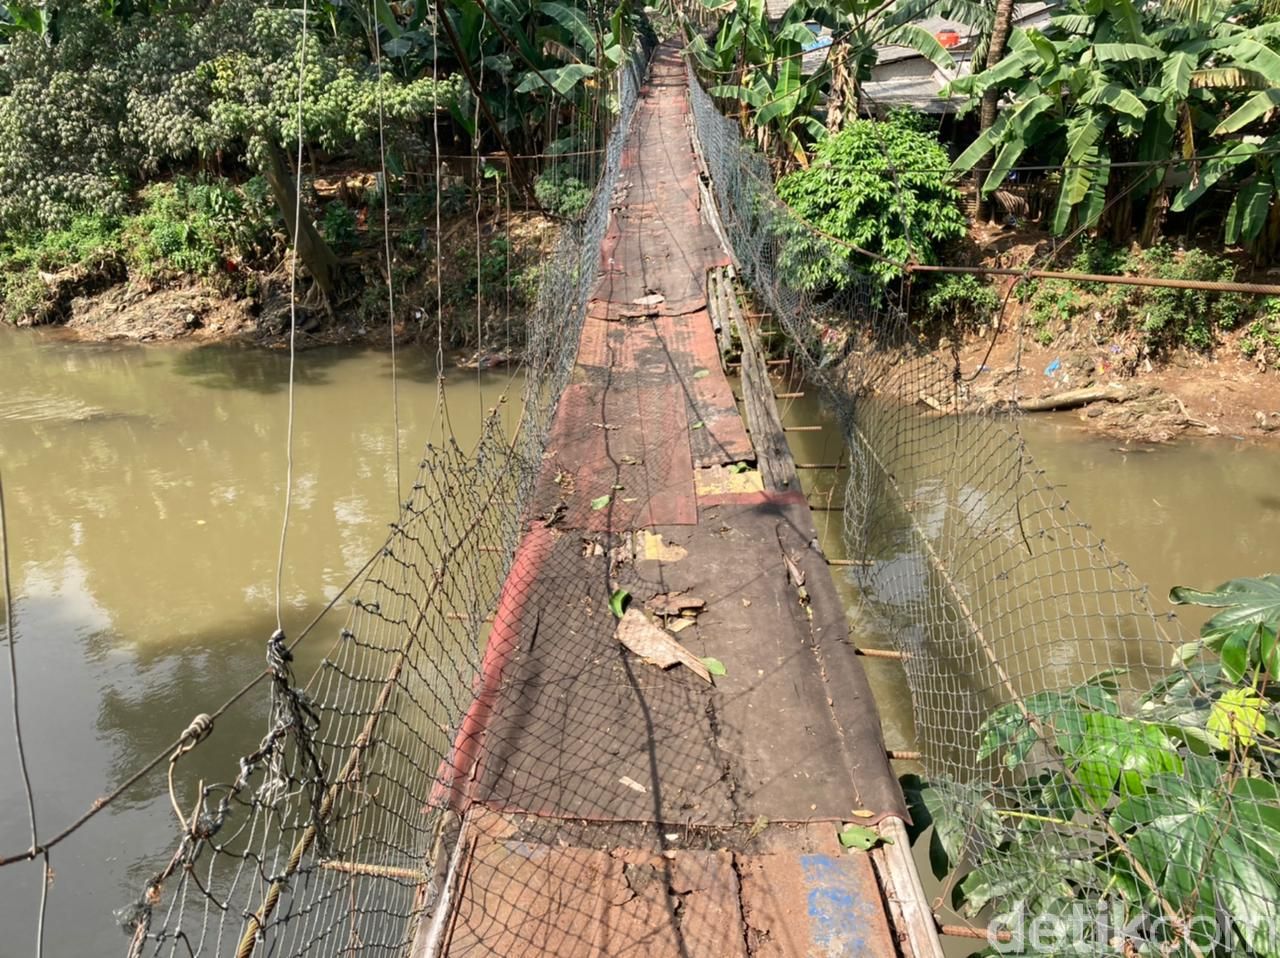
<point>1076,771</point>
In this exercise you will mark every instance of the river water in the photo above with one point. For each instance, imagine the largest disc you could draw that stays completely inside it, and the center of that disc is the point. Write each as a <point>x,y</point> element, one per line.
<point>144,490</point>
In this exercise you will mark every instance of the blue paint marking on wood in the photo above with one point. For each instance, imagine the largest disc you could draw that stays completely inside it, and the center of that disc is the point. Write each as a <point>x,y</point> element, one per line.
<point>839,919</point>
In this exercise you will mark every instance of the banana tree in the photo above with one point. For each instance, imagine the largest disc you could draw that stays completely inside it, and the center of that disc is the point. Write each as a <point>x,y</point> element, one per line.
<point>758,65</point>
<point>1109,83</point>
<point>859,29</point>
<point>533,68</point>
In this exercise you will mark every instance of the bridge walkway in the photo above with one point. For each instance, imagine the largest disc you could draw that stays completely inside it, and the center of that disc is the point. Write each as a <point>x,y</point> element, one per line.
<point>612,807</point>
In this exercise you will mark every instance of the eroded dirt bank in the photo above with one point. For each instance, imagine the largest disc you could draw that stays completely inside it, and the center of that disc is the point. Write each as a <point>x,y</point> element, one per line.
<point>1107,391</point>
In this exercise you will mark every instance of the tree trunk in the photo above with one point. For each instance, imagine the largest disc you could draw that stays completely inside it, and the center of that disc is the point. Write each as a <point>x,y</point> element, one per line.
<point>1153,224</point>
<point>313,251</point>
<point>991,98</point>
<point>841,100</point>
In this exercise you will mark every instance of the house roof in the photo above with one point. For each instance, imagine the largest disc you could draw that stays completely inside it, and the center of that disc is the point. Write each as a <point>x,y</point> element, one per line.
<point>1022,14</point>
<point>902,77</point>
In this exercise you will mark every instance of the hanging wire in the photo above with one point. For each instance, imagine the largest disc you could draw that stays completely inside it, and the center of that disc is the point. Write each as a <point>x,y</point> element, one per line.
<point>293,319</point>
<point>442,404</point>
<point>386,248</point>
<point>480,292</point>
<point>11,637</point>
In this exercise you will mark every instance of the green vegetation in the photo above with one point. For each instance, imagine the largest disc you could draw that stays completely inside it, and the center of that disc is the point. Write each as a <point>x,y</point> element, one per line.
<point>1162,803</point>
<point>1150,120</point>
<point>202,228</point>
<point>1261,341</point>
<point>562,194</point>
<point>755,66</point>
<point>878,186</point>
<point>1121,81</point>
<point>161,140</point>
<point>961,302</point>
<point>1162,319</point>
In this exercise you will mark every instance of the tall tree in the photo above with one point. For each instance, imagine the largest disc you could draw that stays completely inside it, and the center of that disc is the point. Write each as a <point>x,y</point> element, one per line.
<point>1002,23</point>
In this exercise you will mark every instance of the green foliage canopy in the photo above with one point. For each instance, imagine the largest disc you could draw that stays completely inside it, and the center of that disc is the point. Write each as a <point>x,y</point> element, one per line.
<point>1118,81</point>
<point>113,102</point>
<point>877,185</point>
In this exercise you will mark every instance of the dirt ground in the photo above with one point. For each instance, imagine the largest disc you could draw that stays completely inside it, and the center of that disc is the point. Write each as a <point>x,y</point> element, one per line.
<point>1186,394</point>
<point>1224,394</point>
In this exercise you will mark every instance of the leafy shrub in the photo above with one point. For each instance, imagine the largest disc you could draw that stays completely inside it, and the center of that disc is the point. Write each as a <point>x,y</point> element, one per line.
<point>877,185</point>
<point>1261,340</point>
<point>1099,257</point>
<point>1169,318</point>
<point>88,245</point>
<point>1052,306</point>
<point>338,224</point>
<point>1093,781</point>
<point>195,227</point>
<point>962,300</point>
<point>1164,319</point>
<point>137,95</point>
<point>562,195</point>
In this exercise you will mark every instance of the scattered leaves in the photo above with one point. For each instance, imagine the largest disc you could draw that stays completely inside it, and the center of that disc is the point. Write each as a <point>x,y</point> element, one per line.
<point>600,502</point>
<point>618,602</point>
<point>714,666</point>
<point>861,837</point>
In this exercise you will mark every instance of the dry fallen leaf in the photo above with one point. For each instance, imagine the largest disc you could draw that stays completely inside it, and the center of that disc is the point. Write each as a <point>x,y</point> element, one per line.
<point>655,646</point>
<point>675,603</point>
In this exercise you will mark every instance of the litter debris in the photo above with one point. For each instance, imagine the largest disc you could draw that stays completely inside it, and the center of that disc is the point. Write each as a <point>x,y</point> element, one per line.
<point>675,603</point>
<point>632,784</point>
<point>655,646</point>
<point>794,572</point>
<point>654,299</point>
<point>861,837</point>
<point>618,601</point>
<point>714,666</point>
<point>679,625</point>
<point>651,546</point>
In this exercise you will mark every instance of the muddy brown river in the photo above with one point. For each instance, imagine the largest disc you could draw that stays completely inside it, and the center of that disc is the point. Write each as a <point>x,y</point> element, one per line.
<point>144,490</point>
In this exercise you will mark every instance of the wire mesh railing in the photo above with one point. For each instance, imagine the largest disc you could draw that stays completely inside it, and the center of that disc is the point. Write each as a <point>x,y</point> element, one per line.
<point>1096,785</point>
<point>334,834</point>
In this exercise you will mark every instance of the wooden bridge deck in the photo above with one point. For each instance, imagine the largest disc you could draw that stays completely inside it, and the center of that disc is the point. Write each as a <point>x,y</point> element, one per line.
<point>612,807</point>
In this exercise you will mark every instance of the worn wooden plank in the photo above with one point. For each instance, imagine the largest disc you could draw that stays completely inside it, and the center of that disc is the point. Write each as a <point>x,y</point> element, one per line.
<point>773,456</point>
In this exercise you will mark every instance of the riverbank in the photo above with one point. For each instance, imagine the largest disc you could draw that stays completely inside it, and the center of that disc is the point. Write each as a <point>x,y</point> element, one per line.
<point>123,280</point>
<point>1133,363</point>
<point>1188,394</point>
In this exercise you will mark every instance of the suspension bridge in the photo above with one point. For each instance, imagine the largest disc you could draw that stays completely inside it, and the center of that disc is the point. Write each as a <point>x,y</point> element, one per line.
<point>609,807</point>
<point>596,694</point>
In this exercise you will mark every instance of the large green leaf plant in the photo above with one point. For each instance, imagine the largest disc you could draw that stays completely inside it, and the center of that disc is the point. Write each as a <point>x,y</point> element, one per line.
<point>1114,81</point>
<point>1158,810</point>
<point>758,68</point>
